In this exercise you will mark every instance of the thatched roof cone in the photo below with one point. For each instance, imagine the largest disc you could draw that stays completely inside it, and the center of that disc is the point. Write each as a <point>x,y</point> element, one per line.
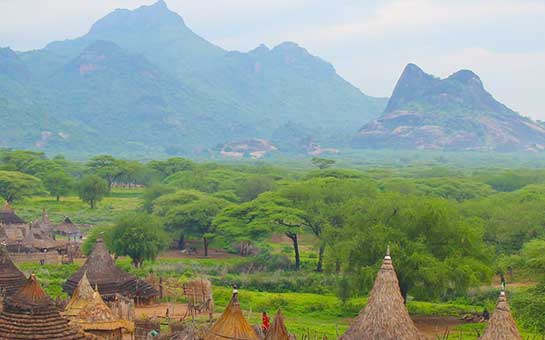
<point>232,324</point>
<point>11,278</point>
<point>278,329</point>
<point>110,279</point>
<point>8,216</point>
<point>31,314</point>
<point>96,315</point>
<point>385,317</point>
<point>501,325</point>
<point>83,295</point>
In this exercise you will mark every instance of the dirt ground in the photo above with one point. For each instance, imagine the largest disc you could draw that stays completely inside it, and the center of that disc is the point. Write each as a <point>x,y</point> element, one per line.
<point>433,327</point>
<point>175,310</point>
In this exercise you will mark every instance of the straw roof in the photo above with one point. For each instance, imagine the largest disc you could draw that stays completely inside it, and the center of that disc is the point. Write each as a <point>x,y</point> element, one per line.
<point>30,241</point>
<point>232,324</point>
<point>8,216</point>
<point>67,227</point>
<point>31,314</point>
<point>278,329</point>
<point>501,325</point>
<point>385,316</point>
<point>96,315</point>
<point>11,278</point>
<point>110,279</point>
<point>83,295</point>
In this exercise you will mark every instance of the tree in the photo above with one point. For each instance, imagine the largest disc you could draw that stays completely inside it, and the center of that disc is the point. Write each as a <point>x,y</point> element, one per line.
<point>93,189</point>
<point>16,185</point>
<point>171,166</point>
<point>253,186</point>
<point>58,183</point>
<point>139,236</point>
<point>437,252</point>
<point>191,213</point>
<point>106,167</point>
<point>322,163</point>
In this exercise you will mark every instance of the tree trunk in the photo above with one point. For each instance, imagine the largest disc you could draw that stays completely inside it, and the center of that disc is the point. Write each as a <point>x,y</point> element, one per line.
<point>404,293</point>
<point>92,204</point>
<point>205,242</point>
<point>293,237</point>
<point>319,266</point>
<point>181,242</point>
<point>58,198</point>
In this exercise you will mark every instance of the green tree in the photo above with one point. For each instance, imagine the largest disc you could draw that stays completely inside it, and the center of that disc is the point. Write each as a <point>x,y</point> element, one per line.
<point>106,167</point>
<point>171,166</point>
<point>322,163</point>
<point>190,213</point>
<point>138,235</point>
<point>58,183</point>
<point>92,189</point>
<point>16,185</point>
<point>253,186</point>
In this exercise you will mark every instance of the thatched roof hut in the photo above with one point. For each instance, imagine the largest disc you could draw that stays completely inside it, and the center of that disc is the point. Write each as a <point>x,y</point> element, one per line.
<point>31,314</point>
<point>8,216</point>
<point>278,330</point>
<point>232,324</point>
<point>83,294</point>
<point>11,278</point>
<point>501,325</point>
<point>31,243</point>
<point>110,279</point>
<point>67,227</point>
<point>385,316</point>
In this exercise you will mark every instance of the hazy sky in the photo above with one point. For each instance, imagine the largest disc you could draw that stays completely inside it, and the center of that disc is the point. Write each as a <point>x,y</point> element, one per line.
<point>369,42</point>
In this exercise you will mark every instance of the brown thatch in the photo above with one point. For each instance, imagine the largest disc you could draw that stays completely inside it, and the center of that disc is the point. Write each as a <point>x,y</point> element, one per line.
<point>31,314</point>
<point>8,216</point>
<point>83,295</point>
<point>278,329</point>
<point>11,278</point>
<point>232,324</point>
<point>67,227</point>
<point>96,315</point>
<point>110,279</point>
<point>30,242</point>
<point>199,295</point>
<point>501,325</point>
<point>385,316</point>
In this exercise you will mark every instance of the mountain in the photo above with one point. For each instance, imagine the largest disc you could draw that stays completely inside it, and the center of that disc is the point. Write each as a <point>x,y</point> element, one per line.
<point>141,82</point>
<point>455,113</point>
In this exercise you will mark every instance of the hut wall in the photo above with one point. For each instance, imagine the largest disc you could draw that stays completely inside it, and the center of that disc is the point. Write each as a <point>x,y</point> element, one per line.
<point>122,308</point>
<point>50,257</point>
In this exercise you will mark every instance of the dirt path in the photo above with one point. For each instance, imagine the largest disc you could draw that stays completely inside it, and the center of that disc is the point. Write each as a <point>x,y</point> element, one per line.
<point>175,310</point>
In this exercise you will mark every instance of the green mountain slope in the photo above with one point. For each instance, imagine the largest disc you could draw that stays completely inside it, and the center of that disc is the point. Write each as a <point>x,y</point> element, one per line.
<point>141,82</point>
<point>455,113</point>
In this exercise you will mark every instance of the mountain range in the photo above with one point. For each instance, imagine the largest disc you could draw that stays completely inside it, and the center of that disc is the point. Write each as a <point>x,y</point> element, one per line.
<point>140,82</point>
<point>455,113</point>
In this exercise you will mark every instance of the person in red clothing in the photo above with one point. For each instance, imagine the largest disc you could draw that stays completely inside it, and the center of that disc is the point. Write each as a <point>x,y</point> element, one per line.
<point>266,322</point>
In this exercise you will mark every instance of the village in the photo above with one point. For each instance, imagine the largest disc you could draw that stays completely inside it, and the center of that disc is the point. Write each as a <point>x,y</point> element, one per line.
<point>107,303</point>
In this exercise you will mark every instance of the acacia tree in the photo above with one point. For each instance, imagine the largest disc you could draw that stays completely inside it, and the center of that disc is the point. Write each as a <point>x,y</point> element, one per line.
<point>190,213</point>
<point>57,183</point>
<point>16,185</point>
<point>107,167</point>
<point>138,235</point>
<point>93,189</point>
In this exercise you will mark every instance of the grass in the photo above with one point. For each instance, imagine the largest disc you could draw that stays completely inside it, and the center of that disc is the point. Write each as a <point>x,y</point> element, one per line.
<point>118,202</point>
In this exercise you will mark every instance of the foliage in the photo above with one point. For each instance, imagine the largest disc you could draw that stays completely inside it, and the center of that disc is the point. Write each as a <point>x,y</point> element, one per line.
<point>322,163</point>
<point>16,185</point>
<point>58,183</point>
<point>139,236</point>
<point>93,189</point>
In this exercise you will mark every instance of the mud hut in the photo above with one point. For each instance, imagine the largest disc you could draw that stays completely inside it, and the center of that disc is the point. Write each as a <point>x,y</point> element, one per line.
<point>278,330</point>
<point>501,325</point>
<point>68,228</point>
<point>232,324</point>
<point>110,279</point>
<point>31,314</point>
<point>385,316</point>
<point>11,278</point>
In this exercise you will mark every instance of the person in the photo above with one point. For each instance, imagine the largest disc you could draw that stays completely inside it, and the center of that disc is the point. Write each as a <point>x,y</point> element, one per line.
<point>486,314</point>
<point>266,322</point>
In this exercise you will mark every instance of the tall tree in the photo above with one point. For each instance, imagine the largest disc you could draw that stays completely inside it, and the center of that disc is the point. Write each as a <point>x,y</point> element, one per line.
<point>138,235</point>
<point>16,185</point>
<point>106,167</point>
<point>190,213</point>
<point>92,189</point>
<point>58,183</point>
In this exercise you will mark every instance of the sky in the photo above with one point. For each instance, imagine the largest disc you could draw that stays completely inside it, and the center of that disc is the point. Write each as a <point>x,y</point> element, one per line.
<point>368,41</point>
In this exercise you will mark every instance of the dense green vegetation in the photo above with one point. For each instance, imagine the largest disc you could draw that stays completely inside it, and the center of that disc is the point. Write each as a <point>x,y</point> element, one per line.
<point>452,232</point>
